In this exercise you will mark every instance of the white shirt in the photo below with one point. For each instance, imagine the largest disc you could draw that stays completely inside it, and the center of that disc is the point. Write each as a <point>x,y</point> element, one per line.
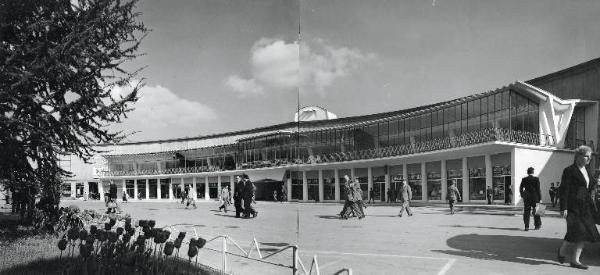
<point>585,176</point>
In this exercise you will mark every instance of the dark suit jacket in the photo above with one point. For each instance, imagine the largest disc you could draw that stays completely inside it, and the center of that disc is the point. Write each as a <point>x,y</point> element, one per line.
<point>530,189</point>
<point>574,196</point>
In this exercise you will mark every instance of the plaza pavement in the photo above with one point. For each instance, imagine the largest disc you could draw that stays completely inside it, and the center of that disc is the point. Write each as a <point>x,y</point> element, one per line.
<point>479,239</point>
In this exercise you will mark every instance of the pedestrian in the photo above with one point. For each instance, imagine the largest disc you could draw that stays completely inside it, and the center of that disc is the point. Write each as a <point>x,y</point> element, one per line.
<point>224,199</point>
<point>530,192</point>
<point>358,197</point>
<point>577,206</point>
<point>237,196</point>
<point>489,193</point>
<point>249,196</point>
<point>124,197</point>
<point>508,195</point>
<point>348,200</point>
<point>558,192</point>
<point>190,197</point>
<point>275,195</point>
<point>389,195</point>
<point>186,191</point>
<point>283,194</point>
<point>111,203</point>
<point>552,192</point>
<point>405,196</point>
<point>371,196</point>
<point>453,196</point>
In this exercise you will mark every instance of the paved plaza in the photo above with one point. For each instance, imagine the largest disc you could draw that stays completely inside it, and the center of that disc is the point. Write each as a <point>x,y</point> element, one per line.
<point>479,239</point>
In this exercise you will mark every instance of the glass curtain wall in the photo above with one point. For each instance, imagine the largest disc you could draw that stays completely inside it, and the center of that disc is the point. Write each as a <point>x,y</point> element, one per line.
<point>213,187</point>
<point>153,186</point>
<point>296,177</point>
<point>141,184</point>
<point>342,179</point>
<point>501,178</point>
<point>164,188</point>
<point>312,180</point>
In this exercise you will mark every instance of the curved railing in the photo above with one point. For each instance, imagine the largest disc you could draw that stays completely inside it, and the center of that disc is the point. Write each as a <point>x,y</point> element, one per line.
<point>462,140</point>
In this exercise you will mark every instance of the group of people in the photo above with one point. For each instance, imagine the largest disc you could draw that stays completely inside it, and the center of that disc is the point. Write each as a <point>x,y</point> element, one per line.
<point>577,197</point>
<point>353,204</point>
<point>244,196</point>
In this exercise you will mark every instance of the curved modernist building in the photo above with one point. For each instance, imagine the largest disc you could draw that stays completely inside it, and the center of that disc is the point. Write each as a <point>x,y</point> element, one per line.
<point>486,139</point>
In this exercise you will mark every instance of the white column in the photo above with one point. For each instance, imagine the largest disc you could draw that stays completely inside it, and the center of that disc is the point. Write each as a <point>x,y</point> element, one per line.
<point>304,187</point>
<point>465,179</point>
<point>194,183</point>
<point>101,190</point>
<point>321,191</point>
<point>369,182</point>
<point>352,173</point>
<point>147,188</point>
<point>73,189</point>
<point>289,189</point>
<point>336,174</point>
<point>444,180</point>
<point>181,186</point>
<point>158,194</point>
<point>405,172</point>
<point>135,189</point>
<point>171,189</point>
<point>86,190</point>
<point>424,182</point>
<point>206,194</point>
<point>488,172</point>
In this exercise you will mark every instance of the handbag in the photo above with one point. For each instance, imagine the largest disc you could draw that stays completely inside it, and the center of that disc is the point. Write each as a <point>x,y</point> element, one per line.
<point>540,209</point>
<point>112,204</point>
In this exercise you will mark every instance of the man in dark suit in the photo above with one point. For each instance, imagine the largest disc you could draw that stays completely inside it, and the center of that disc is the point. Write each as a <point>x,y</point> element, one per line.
<point>237,196</point>
<point>531,194</point>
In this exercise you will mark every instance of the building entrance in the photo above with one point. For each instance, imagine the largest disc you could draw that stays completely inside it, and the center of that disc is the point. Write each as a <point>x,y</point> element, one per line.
<point>265,189</point>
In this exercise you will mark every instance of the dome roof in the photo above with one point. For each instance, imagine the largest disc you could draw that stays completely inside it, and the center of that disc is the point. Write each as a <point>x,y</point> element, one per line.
<point>311,113</point>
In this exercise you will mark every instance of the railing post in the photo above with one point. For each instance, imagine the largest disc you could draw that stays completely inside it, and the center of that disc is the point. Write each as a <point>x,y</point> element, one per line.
<point>224,237</point>
<point>295,260</point>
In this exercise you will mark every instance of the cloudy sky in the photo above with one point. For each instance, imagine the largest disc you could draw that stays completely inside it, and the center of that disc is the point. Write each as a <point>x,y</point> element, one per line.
<point>223,65</point>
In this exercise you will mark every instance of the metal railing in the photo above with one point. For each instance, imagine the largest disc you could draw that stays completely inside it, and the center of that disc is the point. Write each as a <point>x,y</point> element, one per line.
<point>443,143</point>
<point>296,267</point>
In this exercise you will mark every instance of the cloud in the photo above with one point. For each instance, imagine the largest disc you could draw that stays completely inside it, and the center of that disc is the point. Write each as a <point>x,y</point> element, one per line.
<point>277,66</point>
<point>161,114</point>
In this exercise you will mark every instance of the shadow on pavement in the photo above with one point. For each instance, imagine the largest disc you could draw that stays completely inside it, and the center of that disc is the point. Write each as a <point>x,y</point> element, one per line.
<point>516,249</point>
<point>486,227</point>
<point>329,217</point>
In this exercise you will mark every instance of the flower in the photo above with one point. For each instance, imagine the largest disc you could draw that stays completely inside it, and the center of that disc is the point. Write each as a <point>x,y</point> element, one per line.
<point>83,234</point>
<point>168,250</point>
<point>181,235</point>
<point>200,243</point>
<point>120,230</point>
<point>62,244</point>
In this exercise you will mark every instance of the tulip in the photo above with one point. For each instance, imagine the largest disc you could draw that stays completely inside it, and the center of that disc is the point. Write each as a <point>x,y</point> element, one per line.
<point>177,243</point>
<point>73,233</point>
<point>112,237</point>
<point>107,226</point>
<point>200,243</point>
<point>166,234</point>
<point>93,229</point>
<point>151,223</point>
<point>168,248</point>
<point>62,244</point>
<point>89,240</point>
<point>112,221</point>
<point>128,227</point>
<point>181,235</point>
<point>85,250</point>
<point>102,235</point>
<point>126,238</point>
<point>192,251</point>
<point>128,220</point>
<point>83,234</point>
<point>120,231</point>
<point>143,223</point>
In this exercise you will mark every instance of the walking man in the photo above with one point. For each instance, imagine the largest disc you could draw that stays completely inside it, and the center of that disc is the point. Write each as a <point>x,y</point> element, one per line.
<point>405,195</point>
<point>530,192</point>
<point>371,196</point>
<point>237,196</point>
<point>552,192</point>
<point>453,196</point>
<point>249,195</point>
<point>224,198</point>
<point>489,194</point>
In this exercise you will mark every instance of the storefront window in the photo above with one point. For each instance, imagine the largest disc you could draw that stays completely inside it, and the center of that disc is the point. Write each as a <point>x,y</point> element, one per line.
<point>129,189</point>
<point>396,176</point>
<point>476,168</point>
<point>414,180</point>
<point>378,174</point>
<point>434,187</point>
<point>213,189</point>
<point>141,184</point>
<point>501,178</point>
<point>328,185</point>
<point>164,188</point>
<point>454,174</point>
<point>152,186</point>
<point>341,174</point>
<point>296,177</point>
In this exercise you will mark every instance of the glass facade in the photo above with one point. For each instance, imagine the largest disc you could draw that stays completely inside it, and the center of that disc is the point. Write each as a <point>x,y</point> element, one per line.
<point>501,178</point>
<point>141,184</point>
<point>362,175</point>
<point>576,131</point>
<point>414,180</point>
<point>296,177</point>
<point>502,115</point>
<point>312,179</point>
<point>153,188</point>
<point>378,174</point>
